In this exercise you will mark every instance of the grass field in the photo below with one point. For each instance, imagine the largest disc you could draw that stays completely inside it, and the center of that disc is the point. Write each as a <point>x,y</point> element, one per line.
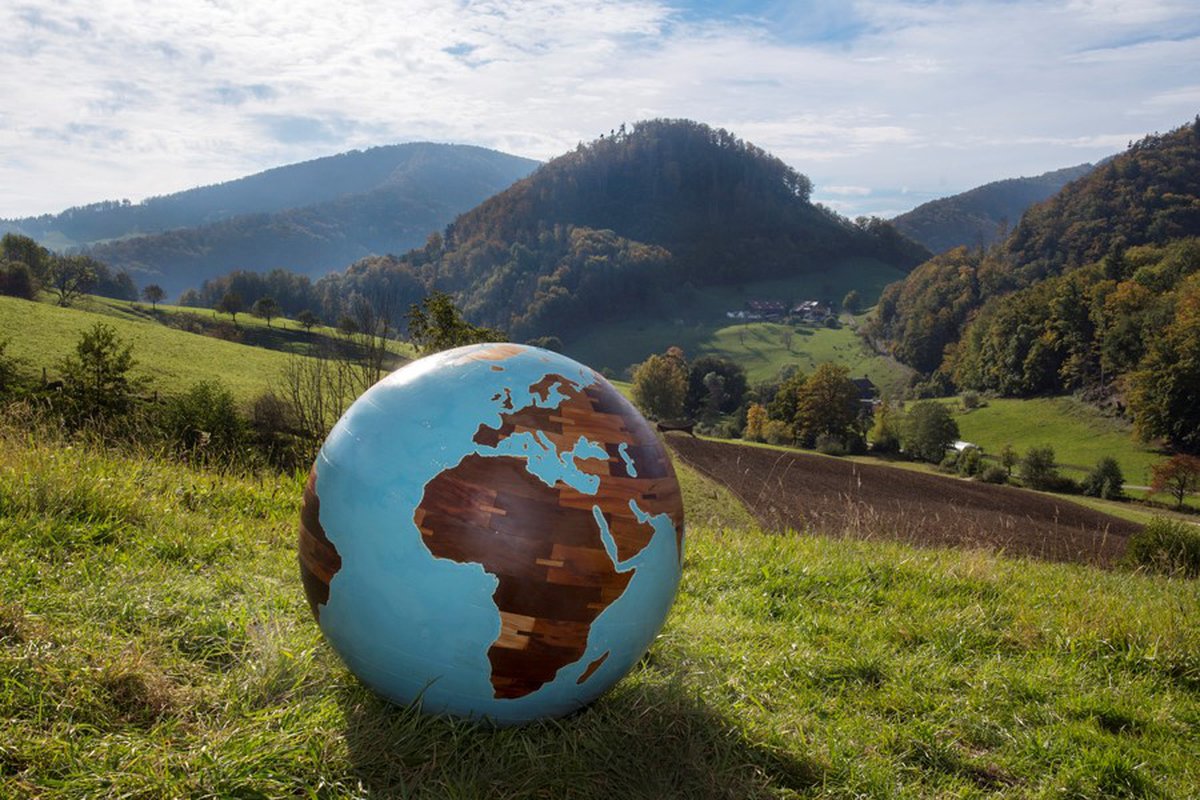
<point>170,358</point>
<point>1079,435</point>
<point>700,327</point>
<point>155,642</point>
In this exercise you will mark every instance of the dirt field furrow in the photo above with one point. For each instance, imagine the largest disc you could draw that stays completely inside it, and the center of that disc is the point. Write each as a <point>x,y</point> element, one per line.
<point>839,497</point>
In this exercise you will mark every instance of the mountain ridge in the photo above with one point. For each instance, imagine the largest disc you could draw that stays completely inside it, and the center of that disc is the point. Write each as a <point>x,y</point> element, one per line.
<point>980,216</point>
<point>311,216</point>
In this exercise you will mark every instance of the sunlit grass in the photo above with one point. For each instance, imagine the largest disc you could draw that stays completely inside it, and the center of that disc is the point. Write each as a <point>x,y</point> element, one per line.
<point>168,359</point>
<point>154,642</point>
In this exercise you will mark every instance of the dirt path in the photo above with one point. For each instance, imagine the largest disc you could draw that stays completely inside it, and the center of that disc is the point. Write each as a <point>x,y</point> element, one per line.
<point>831,495</point>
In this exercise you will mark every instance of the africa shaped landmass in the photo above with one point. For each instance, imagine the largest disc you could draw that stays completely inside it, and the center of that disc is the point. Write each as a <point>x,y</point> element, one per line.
<point>543,543</point>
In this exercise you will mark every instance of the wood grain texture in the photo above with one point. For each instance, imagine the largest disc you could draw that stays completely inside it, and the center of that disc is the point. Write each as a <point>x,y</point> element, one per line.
<point>543,543</point>
<point>319,559</point>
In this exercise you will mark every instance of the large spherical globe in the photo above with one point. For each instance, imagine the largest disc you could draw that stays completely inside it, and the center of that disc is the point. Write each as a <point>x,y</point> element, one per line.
<point>494,531</point>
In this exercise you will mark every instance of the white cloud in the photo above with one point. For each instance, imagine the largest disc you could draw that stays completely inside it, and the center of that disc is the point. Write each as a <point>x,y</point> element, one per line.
<point>127,99</point>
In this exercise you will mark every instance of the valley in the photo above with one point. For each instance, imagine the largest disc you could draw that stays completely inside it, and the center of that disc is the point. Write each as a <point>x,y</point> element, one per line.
<point>850,622</point>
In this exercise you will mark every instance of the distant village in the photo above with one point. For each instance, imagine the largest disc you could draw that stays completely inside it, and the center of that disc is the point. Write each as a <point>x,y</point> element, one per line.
<point>810,312</point>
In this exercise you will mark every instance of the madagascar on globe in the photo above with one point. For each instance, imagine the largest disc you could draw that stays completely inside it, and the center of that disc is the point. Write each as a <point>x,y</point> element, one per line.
<point>493,531</point>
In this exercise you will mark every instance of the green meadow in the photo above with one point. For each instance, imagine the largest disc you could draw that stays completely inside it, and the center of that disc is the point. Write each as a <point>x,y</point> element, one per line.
<point>1079,434</point>
<point>698,324</point>
<point>155,642</point>
<point>174,347</point>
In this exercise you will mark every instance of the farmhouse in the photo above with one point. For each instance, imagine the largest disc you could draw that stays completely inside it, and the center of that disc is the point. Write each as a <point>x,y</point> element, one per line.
<point>868,392</point>
<point>767,309</point>
<point>807,311</point>
<point>811,311</point>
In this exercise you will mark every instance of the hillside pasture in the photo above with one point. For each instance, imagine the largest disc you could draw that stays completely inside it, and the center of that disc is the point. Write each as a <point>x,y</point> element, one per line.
<point>171,360</point>
<point>1079,434</point>
<point>698,324</point>
<point>173,347</point>
<point>155,642</point>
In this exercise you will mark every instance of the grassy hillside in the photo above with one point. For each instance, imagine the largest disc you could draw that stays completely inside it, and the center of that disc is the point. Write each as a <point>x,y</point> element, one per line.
<point>698,324</point>
<point>155,642</point>
<point>1079,435</point>
<point>167,354</point>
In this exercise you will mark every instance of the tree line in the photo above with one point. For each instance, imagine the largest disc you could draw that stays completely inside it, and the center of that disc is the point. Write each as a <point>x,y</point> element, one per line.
<point>1094,291</point>
<point>27,268</point>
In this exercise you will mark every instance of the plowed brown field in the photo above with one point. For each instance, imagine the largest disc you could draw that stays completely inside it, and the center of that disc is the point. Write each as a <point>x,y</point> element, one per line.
<point>839,497</point>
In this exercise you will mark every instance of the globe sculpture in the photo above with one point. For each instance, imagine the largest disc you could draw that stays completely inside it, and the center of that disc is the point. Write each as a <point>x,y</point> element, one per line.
<point>493,531</point>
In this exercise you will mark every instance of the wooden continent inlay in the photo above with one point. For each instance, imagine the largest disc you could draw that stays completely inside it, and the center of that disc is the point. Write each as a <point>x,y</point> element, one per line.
<point>319,559</point>
<point>543,543</point>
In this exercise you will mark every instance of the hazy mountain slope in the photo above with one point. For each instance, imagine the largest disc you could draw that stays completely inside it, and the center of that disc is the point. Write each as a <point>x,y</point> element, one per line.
<point>981,215</point>
<point>310,217</point>
<point>455,170</point>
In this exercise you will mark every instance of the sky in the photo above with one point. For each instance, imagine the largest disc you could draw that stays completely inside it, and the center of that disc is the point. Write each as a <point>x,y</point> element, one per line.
<point>884,105</point>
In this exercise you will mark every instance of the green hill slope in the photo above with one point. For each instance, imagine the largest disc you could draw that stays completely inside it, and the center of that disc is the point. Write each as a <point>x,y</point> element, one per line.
<point>980,216</point>
<point>698,323</point>
<point>1148,196</point>
<point>155,642</point>
<point>1080,437</point>
<point>615,229</point>
<point>168,354</point>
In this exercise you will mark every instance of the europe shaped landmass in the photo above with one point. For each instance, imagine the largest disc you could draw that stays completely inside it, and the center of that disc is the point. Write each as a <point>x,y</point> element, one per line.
<point>545,544</point>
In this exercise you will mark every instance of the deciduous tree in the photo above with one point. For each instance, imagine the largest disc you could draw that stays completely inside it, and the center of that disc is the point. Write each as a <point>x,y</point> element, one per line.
<point>827,403</point>
<point>70,276</point>
<point>1178,476</point>
<point>659,387</point>
<point>436,324</point>
<point>231,304</point>
<point>929,430</point>
<point>1164,394</point>
<point>153,294</point>
<point>756,419</point>
<point>308,319</point>
<point>265,308</point>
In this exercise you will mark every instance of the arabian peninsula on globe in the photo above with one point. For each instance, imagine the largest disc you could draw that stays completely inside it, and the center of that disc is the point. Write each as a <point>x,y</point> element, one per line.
<point>493,530</point>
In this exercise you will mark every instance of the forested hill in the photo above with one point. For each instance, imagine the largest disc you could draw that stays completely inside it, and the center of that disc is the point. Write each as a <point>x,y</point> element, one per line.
<point>310,217</point>
<point>981,216</point>
<point>617,227</point>
<point>1096,289</point>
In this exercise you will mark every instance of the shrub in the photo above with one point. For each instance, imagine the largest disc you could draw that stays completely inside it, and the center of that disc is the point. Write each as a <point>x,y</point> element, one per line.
<point>993,473</point>
<point>830,445</point>
<point>96,377</point>
<point>949,462</point>
<point>1166,545</point>
<point>885,432</point>
<point>17,280</point>
<point>547,343</point>
<point>970,400</point>
<point>1037,468</point>
<point>10,370</point>
<point>969,461</point>
<point>1105,480</point>
<point>777,432</point>
<point>1061,484</point>
<point>203,421</point>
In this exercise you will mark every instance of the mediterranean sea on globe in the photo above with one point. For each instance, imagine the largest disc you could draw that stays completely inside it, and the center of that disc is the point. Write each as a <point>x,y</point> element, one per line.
<point>493,530</point>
